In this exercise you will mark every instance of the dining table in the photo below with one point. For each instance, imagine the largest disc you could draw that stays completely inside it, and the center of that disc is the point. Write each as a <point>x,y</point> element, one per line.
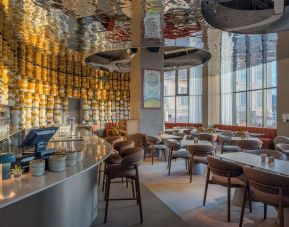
<point>238,138</point>
<point>279,167</point>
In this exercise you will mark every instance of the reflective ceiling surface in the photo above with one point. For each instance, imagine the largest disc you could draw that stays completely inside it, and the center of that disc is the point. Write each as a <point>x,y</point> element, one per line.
<point>91,26</point>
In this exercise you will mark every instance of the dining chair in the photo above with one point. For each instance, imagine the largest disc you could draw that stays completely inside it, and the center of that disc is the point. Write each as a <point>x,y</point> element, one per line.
<point>128,168</point>
<point>227,145</point>
<point>154,146</point>
<point>199,153</point>
<point>138,139</point>
<point>268,188</point>
<point>284,148</point>
<point>281,139</point>
<point>227,174</point>
<point>176,151</point>
<point>207,137</point>
<point>249,144</point>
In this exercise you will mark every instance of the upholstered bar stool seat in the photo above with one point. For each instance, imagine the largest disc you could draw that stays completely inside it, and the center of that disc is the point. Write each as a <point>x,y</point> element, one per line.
<point>118,171</point>
<point>113,159</point>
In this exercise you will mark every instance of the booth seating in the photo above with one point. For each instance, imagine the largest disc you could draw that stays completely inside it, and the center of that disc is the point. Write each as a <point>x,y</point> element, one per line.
<point>267,139</point>
<point>182,125</point>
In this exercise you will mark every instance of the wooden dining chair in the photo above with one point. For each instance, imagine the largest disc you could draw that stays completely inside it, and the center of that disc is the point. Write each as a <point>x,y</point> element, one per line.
<point>268,188</point>
<point>199,153</point>
<point>227,174</point>
<point>153,146</point>
<point>249,144</point>
<point>175,152</point>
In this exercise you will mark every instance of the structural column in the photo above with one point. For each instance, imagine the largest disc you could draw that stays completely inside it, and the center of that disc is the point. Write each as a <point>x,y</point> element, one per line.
<point>282,83</point>
<point>150,120</point>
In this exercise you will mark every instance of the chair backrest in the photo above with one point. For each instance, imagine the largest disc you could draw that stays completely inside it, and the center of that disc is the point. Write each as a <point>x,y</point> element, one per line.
<point>281,139</point>
<point>187,131</point>
<point>133,156</point>
<point>173,144</point>
<point>207,136</point>
<point>282,147</point>
<point>239,133</point>
<point>224,168</point>
<point>266,182</point>
<point>152,140</point>
<point>114,139</point>
<point>270,153</point>
<point>138,138</point>
<point>224,139</point>
<point>250,144</point>
<point>122,145</point>
<point>201,150</point>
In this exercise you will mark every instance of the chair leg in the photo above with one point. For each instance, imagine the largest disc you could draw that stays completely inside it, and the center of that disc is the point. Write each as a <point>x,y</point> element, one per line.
<point>152,156</point>
<point>191,170</point>
<point>99,172</point>
<point>164,152</point>
<point>126,182</point>
<point>243,205</point>
<point>103,180</point>
<point>206,187</point>
<point>281,209</point>
<point>229,200</point>
<point>107,188</point>
<point>138,195</point>
<point>132,187</point>
<point>170,165</point>
<point>186,164</point>
<point>265,211</point>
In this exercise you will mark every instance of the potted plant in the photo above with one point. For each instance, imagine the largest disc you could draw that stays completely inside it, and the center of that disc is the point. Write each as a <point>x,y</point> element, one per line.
<point>17,172</point>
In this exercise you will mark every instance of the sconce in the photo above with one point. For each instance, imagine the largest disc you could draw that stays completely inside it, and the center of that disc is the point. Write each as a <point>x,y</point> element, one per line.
<point>285,117</point>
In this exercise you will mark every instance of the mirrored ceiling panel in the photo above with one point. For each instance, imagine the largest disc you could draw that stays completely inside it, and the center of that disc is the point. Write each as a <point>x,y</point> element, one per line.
<point>247,16</point>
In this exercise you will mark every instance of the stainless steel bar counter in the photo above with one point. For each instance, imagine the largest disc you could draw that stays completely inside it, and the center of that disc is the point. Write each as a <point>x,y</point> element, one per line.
<point>56,199</point>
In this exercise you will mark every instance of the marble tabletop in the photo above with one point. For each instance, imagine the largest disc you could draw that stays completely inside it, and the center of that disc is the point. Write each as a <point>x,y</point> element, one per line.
<point>243,158</point>
<point>192,143</point>
<point>94,150</point>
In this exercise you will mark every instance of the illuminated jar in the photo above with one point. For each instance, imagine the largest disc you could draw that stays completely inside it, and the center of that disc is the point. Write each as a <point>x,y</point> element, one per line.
<point>31,86</point>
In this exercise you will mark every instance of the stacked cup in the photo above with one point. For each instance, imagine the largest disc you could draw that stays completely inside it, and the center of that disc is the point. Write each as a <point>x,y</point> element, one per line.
<point>79,156</point>
<point>37,167</point>
<point>57,163</point>
<point>71,158</point>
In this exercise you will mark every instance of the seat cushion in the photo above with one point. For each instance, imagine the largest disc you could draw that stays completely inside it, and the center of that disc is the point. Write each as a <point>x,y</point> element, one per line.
<point>157,147</point>
<point>181,154</point>
<point>268,198</point>
<point>113,159</point>
<point>231,148</point>
<point>117,171</point>
<point>235,181</point>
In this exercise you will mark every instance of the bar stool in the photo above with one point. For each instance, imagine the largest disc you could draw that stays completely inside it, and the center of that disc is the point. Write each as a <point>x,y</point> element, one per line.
<point>128,169</point>
<point>116,158</point>
<point>112,140</point>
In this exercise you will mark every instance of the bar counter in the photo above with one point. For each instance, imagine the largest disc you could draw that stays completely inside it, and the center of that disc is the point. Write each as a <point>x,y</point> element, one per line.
<point>67,198</point>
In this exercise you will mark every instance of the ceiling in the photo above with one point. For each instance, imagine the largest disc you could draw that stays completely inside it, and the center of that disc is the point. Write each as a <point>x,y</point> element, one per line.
<point>91,26</point>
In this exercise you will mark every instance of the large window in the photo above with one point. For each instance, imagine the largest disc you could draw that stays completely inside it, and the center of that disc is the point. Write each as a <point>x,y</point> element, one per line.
<point>248,80</point>
<point>183,95</point>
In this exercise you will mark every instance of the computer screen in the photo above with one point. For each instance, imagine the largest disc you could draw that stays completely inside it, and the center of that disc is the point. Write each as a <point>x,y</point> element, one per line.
<point>39,136</point>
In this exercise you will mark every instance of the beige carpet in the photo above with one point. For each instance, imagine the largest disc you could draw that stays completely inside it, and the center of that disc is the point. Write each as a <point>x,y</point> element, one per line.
<point>185,199</point>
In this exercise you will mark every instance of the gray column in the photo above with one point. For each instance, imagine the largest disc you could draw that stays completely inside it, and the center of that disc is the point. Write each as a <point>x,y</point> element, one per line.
<point>282,83</point>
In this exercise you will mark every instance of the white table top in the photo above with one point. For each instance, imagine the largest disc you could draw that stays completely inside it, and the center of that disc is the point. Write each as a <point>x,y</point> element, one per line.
<point>191,142</point>
<point>166,136</point>
<point>279,167</point>
<point>237,138</point>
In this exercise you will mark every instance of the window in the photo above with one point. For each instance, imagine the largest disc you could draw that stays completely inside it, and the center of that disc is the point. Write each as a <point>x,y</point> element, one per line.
<point>183,95</point>
<point>248,79</point>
